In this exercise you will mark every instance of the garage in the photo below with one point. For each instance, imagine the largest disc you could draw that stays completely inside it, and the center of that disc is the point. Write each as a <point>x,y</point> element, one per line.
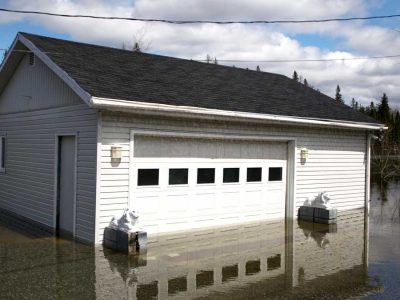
<point>182,183</point>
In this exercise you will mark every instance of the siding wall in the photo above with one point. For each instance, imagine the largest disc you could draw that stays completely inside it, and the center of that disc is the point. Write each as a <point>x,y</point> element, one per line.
<point>28,185</point>
<point>35,87</point>
<point>336,162</point>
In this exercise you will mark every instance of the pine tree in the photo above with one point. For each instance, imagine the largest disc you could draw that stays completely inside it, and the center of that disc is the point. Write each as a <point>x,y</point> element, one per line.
<point>396,128</point>
<point>215,61</point>
<point>384,110</point>
<point>353,103</point>
<point>305,82</point>
<point>295,76</point>
<point>372,111</point>
<point>338,95</point>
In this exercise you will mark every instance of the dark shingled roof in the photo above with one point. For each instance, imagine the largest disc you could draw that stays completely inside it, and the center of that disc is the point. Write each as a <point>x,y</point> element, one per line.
<point>120,74</point>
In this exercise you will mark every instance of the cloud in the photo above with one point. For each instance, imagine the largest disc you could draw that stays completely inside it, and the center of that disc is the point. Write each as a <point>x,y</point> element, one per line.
<point>364,80</point>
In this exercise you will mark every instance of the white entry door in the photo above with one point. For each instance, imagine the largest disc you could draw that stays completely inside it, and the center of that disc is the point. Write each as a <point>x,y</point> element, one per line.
<point>183,193</point>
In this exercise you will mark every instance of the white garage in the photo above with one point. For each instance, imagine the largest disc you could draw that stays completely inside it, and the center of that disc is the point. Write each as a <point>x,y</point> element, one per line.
<point>186,144</point>
<point>181,183</point>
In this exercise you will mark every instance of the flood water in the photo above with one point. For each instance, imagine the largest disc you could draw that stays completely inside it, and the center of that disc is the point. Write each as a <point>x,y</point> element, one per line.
<point>357,258</point>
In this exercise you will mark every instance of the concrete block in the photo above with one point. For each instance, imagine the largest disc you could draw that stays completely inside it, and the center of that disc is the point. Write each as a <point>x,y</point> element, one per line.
<point>118,240</point>
<point>306,218</point>
<point>306,211</point>
<point>141,241</point>
<point>323,213</point>
<point>110,244</point>
<point>110,234</point>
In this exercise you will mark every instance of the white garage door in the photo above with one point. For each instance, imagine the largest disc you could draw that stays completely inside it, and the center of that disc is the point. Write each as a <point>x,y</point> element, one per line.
<point>180,184</point>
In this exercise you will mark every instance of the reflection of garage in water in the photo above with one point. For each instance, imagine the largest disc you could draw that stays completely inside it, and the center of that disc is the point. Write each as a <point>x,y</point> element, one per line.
<point>266,260</point>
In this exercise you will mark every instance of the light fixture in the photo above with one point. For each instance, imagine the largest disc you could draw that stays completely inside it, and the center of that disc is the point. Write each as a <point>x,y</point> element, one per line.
<point>303,154</point>
<point>116,152</point>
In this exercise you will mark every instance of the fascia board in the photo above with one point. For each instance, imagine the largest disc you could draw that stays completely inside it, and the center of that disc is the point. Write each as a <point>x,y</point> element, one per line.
<point>137,106</point>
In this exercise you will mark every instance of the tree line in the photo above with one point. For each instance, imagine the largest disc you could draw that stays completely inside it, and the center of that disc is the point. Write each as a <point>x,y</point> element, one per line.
<point>380,111</point>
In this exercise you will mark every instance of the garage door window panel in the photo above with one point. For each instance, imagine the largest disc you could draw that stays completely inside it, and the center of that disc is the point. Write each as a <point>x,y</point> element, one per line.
<point>231,175</point>
<point>178,176</point>
<point>205,175</point>
<point>148,177</point>
<point>275,174</point>
<point>254,175</point>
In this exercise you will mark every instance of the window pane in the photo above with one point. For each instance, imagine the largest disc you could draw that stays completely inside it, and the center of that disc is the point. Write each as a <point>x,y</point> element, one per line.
<point>178,176</point>
<point>176,285</point>
<point>275,174</point>
<point>205,175</point>
<point>231,175</point>
<point>204,278</point>
<point>274,262</point>
<point>147,177</point>
<point>147,291</point>
<point>253,174</point>
<point>253,267</point>
<point>230,272</point>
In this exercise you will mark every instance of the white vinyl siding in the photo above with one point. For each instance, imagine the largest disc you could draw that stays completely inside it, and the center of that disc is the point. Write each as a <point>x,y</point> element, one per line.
<point>35,87</point>
<point>28,185</point>
<point>336,162</point>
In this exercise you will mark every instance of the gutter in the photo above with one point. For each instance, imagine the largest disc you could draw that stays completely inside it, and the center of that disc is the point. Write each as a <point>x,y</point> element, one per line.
<point>185,111</point>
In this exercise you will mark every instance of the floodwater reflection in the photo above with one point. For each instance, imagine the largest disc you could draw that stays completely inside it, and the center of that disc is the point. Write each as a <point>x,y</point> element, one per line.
<point>261,260</point>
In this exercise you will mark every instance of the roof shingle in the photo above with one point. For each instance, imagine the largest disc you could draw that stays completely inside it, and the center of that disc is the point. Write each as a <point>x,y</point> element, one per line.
<point>126,75</point>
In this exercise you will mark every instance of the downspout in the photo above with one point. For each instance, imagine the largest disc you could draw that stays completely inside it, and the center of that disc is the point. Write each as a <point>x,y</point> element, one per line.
<point>368,172</point>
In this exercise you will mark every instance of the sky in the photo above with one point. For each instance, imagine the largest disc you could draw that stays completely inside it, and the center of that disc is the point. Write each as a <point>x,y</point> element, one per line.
<point>364,80</point>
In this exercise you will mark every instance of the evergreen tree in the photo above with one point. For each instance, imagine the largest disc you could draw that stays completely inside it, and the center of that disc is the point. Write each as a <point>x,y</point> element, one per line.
<point>396,128</point>
<point>372,111</point>
<point>384,110</point>
<point>338,95</point>
<point>353,103</point>
<point>295,76</point>
<point>215,61</point>
<point>305,82</point>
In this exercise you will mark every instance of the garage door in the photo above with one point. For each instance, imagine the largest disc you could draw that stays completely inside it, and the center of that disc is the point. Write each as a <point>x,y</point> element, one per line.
<point>181,184</point>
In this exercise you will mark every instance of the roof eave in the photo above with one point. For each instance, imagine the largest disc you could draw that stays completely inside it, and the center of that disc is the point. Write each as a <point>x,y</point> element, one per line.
<point>187,111</point>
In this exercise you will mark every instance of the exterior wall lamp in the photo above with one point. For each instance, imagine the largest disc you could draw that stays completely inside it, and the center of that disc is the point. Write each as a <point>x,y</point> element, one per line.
<point>116,152</point>
<point>303,155</point>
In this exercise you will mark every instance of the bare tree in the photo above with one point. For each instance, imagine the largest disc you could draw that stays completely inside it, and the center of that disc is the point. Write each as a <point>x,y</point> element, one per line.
<point>385,162</point>
<point>139,42</point>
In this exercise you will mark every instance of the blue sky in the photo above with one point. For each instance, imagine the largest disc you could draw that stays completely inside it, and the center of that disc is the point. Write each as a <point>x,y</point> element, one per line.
<point>363,80</point>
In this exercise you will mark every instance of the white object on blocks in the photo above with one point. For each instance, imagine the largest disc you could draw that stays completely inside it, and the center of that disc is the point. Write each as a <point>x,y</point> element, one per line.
<point>322,200</point>
<point>127,222</point>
